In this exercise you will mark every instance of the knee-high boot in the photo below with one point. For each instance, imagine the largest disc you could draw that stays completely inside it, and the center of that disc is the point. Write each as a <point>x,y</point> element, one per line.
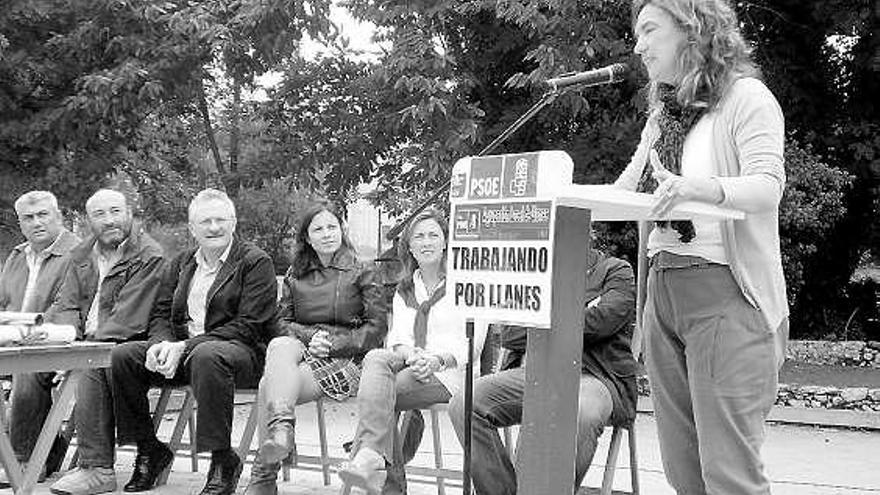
<point>263,479</point>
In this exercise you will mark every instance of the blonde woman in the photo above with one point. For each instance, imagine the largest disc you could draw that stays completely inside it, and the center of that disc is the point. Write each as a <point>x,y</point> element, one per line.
<point>422,364</point>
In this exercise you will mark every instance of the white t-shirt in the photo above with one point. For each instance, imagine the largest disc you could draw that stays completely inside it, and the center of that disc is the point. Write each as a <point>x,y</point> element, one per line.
<point>696,161</point>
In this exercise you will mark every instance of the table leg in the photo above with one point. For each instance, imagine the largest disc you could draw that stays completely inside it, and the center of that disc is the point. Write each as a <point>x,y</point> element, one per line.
<point>57,413</point>
<point>7,455</point>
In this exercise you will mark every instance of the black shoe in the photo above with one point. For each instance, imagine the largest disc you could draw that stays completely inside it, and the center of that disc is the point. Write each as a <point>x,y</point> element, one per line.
<point>223,475</point>
<point>148,465</point>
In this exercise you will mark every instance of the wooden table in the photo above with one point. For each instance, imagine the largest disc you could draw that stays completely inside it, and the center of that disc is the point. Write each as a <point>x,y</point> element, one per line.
<point>75,358</point>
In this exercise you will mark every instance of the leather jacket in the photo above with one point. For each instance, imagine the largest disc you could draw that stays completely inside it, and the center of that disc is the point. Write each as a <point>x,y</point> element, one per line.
<point>344,298</point>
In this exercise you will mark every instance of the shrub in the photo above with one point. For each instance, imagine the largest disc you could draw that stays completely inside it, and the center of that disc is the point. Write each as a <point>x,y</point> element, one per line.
<point>174,238</point>
<point>267,217</point>
<point>814,201</point>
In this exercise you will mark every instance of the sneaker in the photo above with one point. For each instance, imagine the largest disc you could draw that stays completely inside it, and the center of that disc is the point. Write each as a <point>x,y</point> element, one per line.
<point>86,481</point>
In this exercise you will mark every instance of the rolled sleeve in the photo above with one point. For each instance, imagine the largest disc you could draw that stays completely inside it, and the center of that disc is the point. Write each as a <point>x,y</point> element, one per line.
<point>758,128</point>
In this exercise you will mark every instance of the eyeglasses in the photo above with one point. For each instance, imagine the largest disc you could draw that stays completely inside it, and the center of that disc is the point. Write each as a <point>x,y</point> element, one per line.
<point>210,222</point>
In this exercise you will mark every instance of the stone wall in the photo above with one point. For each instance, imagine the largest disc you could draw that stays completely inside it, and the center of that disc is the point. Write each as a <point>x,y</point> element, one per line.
<point>855,398</point>
<point>854,353</point>
<point>849,353</point>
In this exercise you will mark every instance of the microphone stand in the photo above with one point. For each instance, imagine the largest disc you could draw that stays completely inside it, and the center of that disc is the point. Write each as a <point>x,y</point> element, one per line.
<point>545,100</point>
<point>468,407</point>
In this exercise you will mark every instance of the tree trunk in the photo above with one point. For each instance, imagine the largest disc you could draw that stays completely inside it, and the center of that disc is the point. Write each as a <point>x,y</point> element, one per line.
<point>234,133</point>
<point>212,141</point>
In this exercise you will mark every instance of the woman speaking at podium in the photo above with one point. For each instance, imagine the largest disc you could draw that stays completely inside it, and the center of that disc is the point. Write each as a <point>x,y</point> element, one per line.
<point>715,316</point>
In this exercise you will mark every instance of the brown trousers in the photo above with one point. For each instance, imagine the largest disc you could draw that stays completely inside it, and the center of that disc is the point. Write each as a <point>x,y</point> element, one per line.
<point>712,366</point>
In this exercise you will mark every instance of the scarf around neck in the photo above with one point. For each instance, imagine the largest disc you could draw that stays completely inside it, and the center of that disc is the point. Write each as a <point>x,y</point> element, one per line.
<point>675,122</point>
<point>407,291</point>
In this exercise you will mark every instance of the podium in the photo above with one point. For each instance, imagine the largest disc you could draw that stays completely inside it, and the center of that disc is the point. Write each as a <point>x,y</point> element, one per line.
<point>546,462</point>
<point>526,203</point>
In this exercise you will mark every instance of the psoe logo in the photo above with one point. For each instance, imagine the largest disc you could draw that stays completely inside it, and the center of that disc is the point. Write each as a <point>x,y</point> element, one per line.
<point>520,176</point>
<point>485,178</point>
<point>466,222</point>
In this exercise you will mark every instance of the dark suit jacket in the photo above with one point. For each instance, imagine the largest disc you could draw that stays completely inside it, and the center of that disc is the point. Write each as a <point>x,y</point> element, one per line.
<point>241,301</point>
<point>608,329</point>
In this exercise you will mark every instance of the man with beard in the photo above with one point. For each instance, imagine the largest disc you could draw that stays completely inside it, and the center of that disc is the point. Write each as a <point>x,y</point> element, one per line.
<point>107,295</point>
<point>29,282</point>
<point>213,318</point>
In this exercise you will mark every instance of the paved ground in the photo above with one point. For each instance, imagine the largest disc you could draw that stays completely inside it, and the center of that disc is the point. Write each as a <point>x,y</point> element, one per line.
<point>801,460</point>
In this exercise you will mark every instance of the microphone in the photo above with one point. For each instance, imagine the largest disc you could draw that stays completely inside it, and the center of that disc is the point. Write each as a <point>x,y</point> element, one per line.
<point>606,75</point>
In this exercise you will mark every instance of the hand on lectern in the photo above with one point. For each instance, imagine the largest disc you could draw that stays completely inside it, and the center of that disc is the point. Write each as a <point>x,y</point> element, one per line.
<point>674,189</point>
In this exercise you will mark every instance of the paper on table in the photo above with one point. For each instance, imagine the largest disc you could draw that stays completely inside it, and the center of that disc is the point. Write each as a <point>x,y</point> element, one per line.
<point>610,203</point>
<point>50,333</point>
<point>12,334</point>
<point>46,333</point>
<point>20,318</point>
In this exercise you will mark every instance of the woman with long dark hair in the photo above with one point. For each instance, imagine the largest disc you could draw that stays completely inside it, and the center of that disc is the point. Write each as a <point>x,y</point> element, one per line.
<point>332,312</point>
<point>716,317</point>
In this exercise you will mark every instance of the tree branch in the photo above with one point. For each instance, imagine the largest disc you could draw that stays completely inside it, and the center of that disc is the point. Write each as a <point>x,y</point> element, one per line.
<point>209,130</point>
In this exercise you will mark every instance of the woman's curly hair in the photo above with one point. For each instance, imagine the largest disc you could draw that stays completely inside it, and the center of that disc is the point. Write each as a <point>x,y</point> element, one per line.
<point>715,55</point>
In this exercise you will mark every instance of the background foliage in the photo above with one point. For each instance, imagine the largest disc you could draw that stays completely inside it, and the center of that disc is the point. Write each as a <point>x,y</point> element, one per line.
<point>161,90</point>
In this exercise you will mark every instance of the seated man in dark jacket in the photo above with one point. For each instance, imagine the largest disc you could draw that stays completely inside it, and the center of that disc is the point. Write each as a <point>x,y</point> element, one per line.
<point>209,328</point>
<point>607,387</point>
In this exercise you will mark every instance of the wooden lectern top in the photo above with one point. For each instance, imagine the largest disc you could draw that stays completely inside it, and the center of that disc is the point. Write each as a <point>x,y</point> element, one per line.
<point>613,204</point>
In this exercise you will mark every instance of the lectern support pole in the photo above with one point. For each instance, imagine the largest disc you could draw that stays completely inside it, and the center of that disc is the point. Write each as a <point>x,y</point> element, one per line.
<point>545,464</point>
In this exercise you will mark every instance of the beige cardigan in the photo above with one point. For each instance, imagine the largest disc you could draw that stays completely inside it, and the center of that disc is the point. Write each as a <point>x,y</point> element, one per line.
<point>747,145</point>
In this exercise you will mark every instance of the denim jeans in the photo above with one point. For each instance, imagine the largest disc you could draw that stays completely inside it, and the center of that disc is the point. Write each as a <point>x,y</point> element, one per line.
<point>31,401</point>
<point>498,403</point>
<point>712,365</point>
<point>387,387</point>
<point>94,418</point>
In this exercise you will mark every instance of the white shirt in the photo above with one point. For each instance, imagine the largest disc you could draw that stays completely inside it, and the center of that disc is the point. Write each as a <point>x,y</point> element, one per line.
<point>446,332</point>
<point>34,262</point>
<point>696,161</point>
<point>105,262</point>
<point>202,280</point>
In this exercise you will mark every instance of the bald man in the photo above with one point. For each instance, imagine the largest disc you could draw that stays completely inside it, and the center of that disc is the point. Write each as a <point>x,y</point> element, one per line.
<point>107,295</point>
